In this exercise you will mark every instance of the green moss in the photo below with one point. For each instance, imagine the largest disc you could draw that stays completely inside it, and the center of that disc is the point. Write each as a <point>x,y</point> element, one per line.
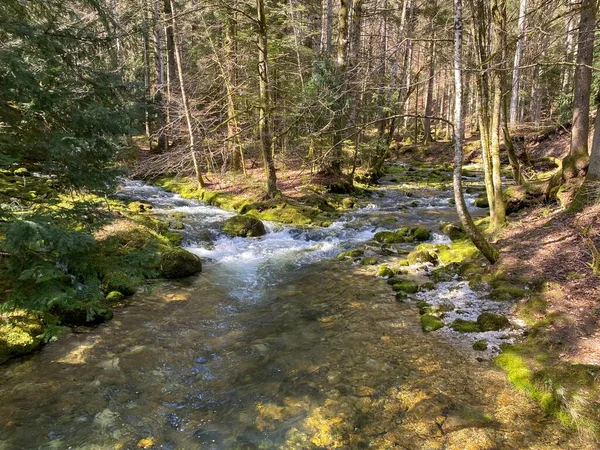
<point>430,323</point>
<point>481,345</point>
<point>19,336</point>
<point>446,273</point>
<point>244,226</point>
<point>459,251</point>
<point>114,297</point>
<point>452,230</point>
<point>353,254</point>
<point>504,290</point>
<point>388,237</point>
<point>408,286</point>
<point>423,254</point>
<point>465,326</point>
<point>421,234</point>
<point>173,238</point>
<point>368,261</point>
<point>423,307</point>
<point>482,201</point>
<point>533,309</point>
<point>492,322</point>
<point>179,263</point>
<point>177,226</point>
<point>385,272</point>
<point>121,282</point>
<point>428,286</point>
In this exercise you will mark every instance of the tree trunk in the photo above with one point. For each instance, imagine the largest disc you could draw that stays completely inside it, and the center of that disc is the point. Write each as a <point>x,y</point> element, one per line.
<point>461,207</point>
<point>576,163</point>
<point>171,69</point>
<point>264,108</point>
<point>514,98</point>
<point>147,70</point>
<point>184,99</point>
<point>593,173</point>
<point>429,96</point>
<point>159,90</point>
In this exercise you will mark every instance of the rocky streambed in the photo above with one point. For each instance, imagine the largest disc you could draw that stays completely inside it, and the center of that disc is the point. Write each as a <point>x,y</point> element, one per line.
<point>280,344</point>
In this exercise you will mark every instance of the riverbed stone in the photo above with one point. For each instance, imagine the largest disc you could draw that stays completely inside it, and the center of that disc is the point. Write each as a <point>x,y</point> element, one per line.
<point>179,263</point>
<point>388,237</point>
<point>114,297</point>
<point>385,272</point>
<point>482,201</point>
<point>488,321</point>
<point>408,286</point>
<point>421,234</point>
<point>423,255</point>
<point>368,261</point>
<point>480,345</point>
<point>353,254</point>
<point>430,323</point>
<point>452,230</point>
<point>244,226</point>
<point>465,326</point>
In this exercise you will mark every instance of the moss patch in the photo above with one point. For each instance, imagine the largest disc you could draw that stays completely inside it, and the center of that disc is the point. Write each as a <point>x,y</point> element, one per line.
<point>430,323</point>
<point>19,336</point>
<point>465,326</point>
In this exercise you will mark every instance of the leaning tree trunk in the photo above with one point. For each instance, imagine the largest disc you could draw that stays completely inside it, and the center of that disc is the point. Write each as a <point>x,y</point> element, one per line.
<point>184,99</point>
<point>264,108</point>
<point>461,207</point>
<point>576,163</point>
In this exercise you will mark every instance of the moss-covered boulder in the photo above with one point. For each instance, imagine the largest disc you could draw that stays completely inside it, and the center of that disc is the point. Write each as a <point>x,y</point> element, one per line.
<point>244,226</point>
<point>421,234</point>
<point>465,326</point>
<point>369,261</point>
<point>114,297</point>
<point>388,237</point>
<point>78,315</point>
<point>385,272</point>
<point>492,322</point>
<point>482,201</point>
<point>408,286</point>
<point>179,263</point>
<point>480,345</point>
<point>430,323</point>
<point>423,255</point>
<point>504,291</point>
<point>177,225</point>
<point>19,336</point>
<point>428,286</point>
<point>351,254</point>
<point>348,203</point>
<point>452,230</point>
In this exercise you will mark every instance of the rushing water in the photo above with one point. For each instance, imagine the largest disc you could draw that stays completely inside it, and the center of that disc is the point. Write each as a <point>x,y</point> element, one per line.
<point>273,346</point>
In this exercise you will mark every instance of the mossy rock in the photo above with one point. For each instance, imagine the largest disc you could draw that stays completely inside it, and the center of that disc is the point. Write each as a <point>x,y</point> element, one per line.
<point>368,261</point>
<point>459,251</point>
<point>492,322</point>
<point>424,307</point>
<point>114,297</point>
<point>421,234</point>
<point>481,345</point>
<point>401,296</point>
<point>408,286</point>
<point>482,201</point>
<point>348,203</point>
<point>453,231</point>
<point>22,172</point>
<point>423,255</point>
<point>446,273</point>
<point>177,226</point>
<point>385,272</point>
<point>173,238</point>
<point>428,286</point>
<point>505,291</point>
<point>244,226</point>
<point>465,326</point>
<point>430,323</point>
<point>354,254</point>
<point>179,263</point>
<point>388,237</point>
<point>81,316</point>
<point>176,216</point>
<point>19,336</point>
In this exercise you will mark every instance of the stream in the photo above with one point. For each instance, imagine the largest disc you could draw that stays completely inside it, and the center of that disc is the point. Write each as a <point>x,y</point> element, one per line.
<point>275,345</point>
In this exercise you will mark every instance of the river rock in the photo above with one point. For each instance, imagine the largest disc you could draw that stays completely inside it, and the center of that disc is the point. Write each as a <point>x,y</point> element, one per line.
<point>179,263</point>
<point>482,201</point>
<point>388,237</point>
<point>453,231</point>
<point>244,226</point>
<point>492,322</point>
<point>19,336</point>
<point>81,316</point>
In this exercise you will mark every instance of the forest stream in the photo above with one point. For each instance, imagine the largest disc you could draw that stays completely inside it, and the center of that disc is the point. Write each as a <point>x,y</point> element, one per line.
<point>275,345</point>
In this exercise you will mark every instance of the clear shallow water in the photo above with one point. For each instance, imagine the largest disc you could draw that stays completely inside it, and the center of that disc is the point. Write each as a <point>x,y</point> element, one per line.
<point>273,346</point>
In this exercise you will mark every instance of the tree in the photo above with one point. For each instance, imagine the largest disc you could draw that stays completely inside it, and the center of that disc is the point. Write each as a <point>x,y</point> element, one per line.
<point>576,163</point>
<point>461,208</point>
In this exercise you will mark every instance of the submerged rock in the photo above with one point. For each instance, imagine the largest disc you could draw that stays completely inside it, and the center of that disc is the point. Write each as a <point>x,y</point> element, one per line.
<point>179,263</point>
<point>388,237</point>
<point>244,226</point>
<point>354,254</point>
<point>369,261</point>
<point>408,286</point>
<point>81,316</point>
<point>480,345</point>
